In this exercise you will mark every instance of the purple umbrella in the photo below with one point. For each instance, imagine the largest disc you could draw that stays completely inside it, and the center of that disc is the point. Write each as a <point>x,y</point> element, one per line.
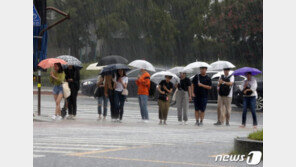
<point>244,70</point>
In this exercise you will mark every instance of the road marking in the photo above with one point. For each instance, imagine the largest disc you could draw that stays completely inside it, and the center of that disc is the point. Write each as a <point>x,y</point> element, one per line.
<point>52,151</point>
<point>107,150</point>
<point>38,156</point>
<point>214,156</point>
<point>68,148</point>
<point>155,161</point>
<point>77,145</point>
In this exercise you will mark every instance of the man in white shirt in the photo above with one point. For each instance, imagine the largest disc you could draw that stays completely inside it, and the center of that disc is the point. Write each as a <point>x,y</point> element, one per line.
<point>225,91</point>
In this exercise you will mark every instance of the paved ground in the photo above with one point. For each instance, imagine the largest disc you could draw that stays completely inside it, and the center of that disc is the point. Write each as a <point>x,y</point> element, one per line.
<point>91,143</point>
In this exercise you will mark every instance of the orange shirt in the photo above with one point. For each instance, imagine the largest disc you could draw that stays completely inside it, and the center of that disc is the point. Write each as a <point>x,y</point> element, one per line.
<point>143,84</point>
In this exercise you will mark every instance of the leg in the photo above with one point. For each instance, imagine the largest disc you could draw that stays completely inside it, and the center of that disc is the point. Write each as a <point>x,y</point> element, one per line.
<point>228,108</point>
<point>253,110</point>
<point>244,116</point>
<point>203,108</point>
<point>122,101</point>
<point>219,112</point>
<point>141,106</point>
<point>166,110</point>
<point>160,108</point>
<point>100,99</point>
<point>58,103</point>
<point>70,104</point>
<point>185,106</point>
<point>179,101</point>
<point>74,101</point>
<point>105,106</point>
<point>116,104</point>
<point>55,96</point>
<point>145,107</point>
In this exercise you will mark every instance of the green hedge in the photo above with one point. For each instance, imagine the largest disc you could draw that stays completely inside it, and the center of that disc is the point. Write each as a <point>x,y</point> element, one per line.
<point>256,135</point>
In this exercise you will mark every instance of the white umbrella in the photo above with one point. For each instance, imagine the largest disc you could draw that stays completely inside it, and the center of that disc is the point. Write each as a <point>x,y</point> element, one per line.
<point>142,64</point>
<point>179,69</point>
<point>159,76</point>
<point>94,67</point>
<point>218,74</point>
<point>196,65</point>
<point>220,65</point>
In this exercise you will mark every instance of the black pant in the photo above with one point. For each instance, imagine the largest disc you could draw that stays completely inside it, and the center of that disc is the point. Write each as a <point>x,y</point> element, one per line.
<point>72,102</point>
<point>114,115</point>
<point>119,103</point>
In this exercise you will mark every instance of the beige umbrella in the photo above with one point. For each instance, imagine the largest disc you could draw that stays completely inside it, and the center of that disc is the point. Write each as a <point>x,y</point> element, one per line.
<point>95,67</point>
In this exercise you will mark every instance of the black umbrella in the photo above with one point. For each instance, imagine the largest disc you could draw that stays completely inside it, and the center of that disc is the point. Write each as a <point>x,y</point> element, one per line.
<point>113,59</point>
<point>112,68</point>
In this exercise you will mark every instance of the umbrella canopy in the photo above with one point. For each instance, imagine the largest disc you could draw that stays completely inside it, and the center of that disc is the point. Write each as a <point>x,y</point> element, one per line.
<point>218,74</point>
<point>196,65</point>
<point>49,62</point>
<point>94,67</point>
<point>159,76</point>
<point>179,69</point>
<point>113,59</point>
<point>244,70</point>
<point>220,65</point>
<point>142,64</point>
<point>71,60</point>
<point>109,69</point>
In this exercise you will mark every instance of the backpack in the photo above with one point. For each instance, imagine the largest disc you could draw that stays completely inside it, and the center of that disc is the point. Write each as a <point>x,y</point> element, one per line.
<point>224,89</point>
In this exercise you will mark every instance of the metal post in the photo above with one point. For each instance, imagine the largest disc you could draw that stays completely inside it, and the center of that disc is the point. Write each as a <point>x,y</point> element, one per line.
<point>39,91</point>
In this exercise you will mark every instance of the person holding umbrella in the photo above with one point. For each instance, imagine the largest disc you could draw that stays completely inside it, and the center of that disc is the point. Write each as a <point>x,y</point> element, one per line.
<point>183,96</point>
<point>249,93</point>
<point>57,77</point>
<point>201,83</point>
<point>225,91</point>
<point>73,78</point>
<point>109,93</point>
<point>101,97</point>
<point>165,88</point>
<point>119,96</point>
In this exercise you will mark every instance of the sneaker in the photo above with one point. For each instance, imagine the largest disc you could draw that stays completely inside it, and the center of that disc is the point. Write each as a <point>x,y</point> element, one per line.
<point>185,123</point>
<point>227,124</point>
<point>200,124</point>
<point>164,122</point>
<point>146,121</point>
<point>104,119</point>
<point>54,117</point>
<point>70,117</point>
<point>160,122</point>
<point>218,123</point>
<point>196,124</point>
<point>100,117</point>
<point>180,123</point>
<point>59,118</point>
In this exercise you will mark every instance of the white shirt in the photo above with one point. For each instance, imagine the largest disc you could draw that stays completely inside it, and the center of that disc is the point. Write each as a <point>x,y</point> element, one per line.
<point>231,87</point>
<point>253,86</point>
<point>119,86</point>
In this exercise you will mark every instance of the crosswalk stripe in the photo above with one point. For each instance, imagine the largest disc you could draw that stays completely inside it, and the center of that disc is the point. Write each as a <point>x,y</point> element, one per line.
<point>53,151</point>
<point>67,148</point>
<point>75,145</point>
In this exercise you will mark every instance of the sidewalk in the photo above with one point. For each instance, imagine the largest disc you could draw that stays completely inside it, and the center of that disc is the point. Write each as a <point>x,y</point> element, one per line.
<point>48,91</point>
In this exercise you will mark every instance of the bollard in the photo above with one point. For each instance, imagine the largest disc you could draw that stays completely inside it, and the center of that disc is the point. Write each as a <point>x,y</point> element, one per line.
<point>39,91</point>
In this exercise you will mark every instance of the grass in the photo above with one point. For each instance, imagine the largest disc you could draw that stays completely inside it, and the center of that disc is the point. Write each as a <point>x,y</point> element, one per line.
<point>256,135</point>
<point>84,74</point>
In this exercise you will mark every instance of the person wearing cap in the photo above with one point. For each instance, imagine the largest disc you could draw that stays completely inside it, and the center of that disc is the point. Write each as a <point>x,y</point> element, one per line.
<point>225,91</point>
<point>201,83</point>
<point>183,96</point>
<point>165,88</point>
<point>143,83</point>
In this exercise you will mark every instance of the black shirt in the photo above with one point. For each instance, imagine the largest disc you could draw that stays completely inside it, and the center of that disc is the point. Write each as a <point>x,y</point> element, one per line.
<point>200,91</point>
<point>184,83</point>
<point>168,85</point>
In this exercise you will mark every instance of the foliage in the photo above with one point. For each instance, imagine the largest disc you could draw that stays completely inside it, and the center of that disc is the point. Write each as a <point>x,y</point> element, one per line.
<point>164,32</point>
<point>256,135</point>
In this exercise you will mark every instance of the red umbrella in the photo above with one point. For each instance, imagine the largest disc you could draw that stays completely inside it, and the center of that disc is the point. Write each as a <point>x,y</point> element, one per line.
<point>47,63</point>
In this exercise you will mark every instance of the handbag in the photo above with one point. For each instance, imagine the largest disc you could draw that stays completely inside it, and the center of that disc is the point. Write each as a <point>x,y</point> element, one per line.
<point>66,89</point>
<point>248,93</point>
<point>163,97</point>
<point>99,92</point>
<point>174,95</point>
<point>124,92</point>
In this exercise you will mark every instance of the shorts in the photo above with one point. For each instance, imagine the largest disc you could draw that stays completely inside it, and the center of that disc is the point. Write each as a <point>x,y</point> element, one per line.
<point>200,103</point>
<point>57,90</point>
